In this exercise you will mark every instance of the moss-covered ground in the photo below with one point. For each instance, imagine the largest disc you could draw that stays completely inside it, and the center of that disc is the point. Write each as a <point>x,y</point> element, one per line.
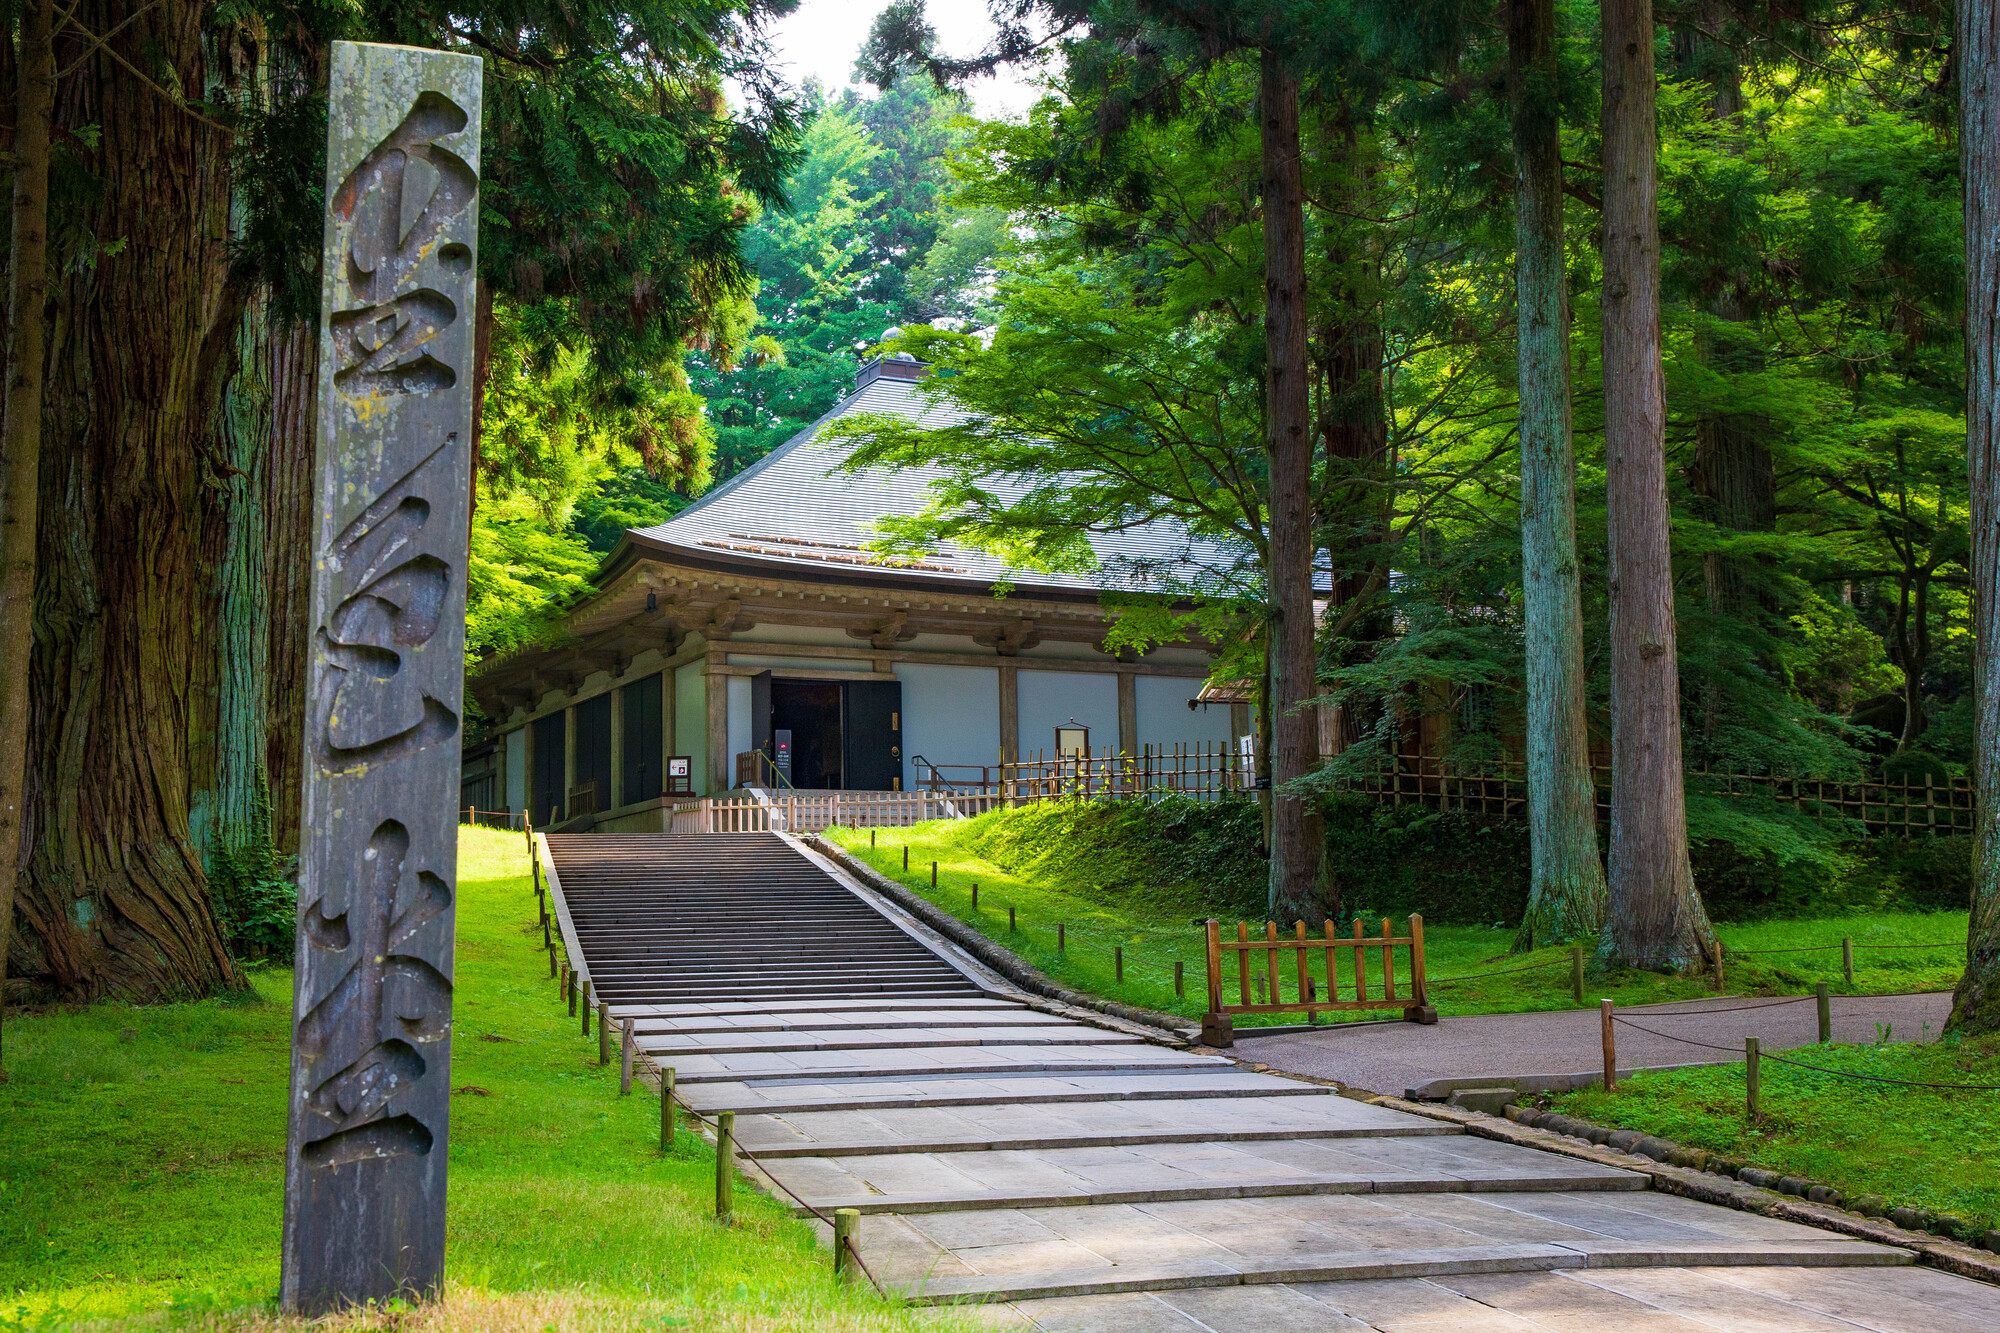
<point>141,1166</point>
<point>1935,1149</point>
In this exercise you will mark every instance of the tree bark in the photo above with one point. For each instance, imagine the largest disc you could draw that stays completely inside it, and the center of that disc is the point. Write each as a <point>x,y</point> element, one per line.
<point>1976,52</point>
<point>1297,841</point>
<point>114,901</point>
<point>293,358</point>
<point>1566,891</point>
<point>1656,919</point>
<point>21,433</point>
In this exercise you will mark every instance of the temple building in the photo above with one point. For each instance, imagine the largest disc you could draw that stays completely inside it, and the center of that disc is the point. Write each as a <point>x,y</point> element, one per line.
<point>755,638</point>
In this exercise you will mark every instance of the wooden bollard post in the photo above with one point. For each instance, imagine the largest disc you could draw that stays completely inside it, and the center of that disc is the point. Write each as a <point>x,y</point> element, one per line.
<point>1610,1045</point>
<point>1062,937</point>
<point>1753,1051</point>
<point>1180,978</point>
<point>627,1048</point>
<point>569,987</point>
<point>725,1165</point>
<point>1715,946</point>
<point>906,856</point>
<point>975,886</point>
<point>871,840</point>
<point>603,1034</point>
<point>1847,959</point>
<point>547,943</point>
<point>933,876</point>
<point>1576,975</point>
<point>1010,918</point>
<point>667,1109</point>
<point>1118,961</point>
<point>552,963</point>
<point>1825,1013</point>
<point>846,1241</point>
<point>584,1008</point>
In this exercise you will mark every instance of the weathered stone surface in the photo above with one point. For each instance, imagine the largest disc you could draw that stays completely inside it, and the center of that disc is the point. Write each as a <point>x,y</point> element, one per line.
<point>371,1049</point>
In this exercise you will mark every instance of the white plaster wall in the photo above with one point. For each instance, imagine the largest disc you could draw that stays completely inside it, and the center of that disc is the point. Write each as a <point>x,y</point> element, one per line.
<point>517,769</point>
<point>1051,698</point>
<point>691,721</point>
<point>1164,719</point>
<point>951,715</point>
<point>739,724</point>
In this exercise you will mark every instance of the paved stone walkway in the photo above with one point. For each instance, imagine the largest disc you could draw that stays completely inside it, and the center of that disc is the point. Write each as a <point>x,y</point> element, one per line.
<point>1561,1048</point>
<point>1062,1171</point>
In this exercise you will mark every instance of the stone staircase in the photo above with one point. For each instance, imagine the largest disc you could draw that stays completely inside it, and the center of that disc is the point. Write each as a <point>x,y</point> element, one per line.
<point>1067,1171</point>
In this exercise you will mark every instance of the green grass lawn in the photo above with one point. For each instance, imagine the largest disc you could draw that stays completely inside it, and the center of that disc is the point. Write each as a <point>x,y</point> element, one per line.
<point>1152,943</point>
<point>1916,1147</point>
<point>142,1181</point>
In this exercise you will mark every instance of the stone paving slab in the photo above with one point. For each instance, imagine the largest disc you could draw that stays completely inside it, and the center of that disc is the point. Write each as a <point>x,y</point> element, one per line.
<point>1082,1086</point>
<point>1662,1300</point>
<point>1265,1239</point>
<point>1561,1047</point>
<point>1118,1123</point>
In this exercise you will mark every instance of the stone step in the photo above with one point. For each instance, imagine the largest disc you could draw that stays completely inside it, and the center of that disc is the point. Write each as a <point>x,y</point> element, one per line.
<point>1103,1124</point>
<point>832,1024</point>
<point>1367,1265</point>
<point>891,1064</point>
<point>769,1097</point>
<point>867,1039</point>
<point>1073,1177</point>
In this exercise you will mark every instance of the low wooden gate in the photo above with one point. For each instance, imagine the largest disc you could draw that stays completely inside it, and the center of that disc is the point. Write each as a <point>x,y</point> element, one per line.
<point>1314,990</point>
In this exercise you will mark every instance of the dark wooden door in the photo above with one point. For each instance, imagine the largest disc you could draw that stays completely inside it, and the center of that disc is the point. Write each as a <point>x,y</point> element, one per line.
<point>545,801</point>
<point>642,740</point>
<point>593,751</point>
<point>873,730</point>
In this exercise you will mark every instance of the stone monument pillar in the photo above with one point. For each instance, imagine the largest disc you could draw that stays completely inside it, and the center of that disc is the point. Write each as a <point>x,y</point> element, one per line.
<point>371,1036</point>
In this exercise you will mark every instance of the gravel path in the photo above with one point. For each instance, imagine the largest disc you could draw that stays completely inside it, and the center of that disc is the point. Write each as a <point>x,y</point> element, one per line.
<point>1560,1048</point>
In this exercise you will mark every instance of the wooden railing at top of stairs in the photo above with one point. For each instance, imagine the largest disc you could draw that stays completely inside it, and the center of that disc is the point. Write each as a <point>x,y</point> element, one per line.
<point>760,811</point>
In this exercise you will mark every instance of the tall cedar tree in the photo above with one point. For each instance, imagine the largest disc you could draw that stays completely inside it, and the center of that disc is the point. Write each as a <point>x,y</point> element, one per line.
<point>172,522</point>
<point>1566,892</point>
<point>1656,920</point>
<point>21,428</point>
<point>901,39</point>
<point>1976,1003</point>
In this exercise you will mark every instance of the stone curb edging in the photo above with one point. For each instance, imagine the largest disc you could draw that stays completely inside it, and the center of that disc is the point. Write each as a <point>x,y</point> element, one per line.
<point>1174,1028</point>
<point>1708,1186</point>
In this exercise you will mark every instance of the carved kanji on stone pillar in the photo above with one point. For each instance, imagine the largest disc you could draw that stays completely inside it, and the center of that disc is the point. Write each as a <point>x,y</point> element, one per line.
<point>371,1042</point>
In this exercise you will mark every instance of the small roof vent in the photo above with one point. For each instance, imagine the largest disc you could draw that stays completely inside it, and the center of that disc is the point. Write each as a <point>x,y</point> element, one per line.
<point>901,366</point>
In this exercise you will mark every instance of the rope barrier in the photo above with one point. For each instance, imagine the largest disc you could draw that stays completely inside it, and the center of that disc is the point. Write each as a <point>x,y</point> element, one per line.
<point>1817,1069</point>
<point>1503,972</point>
<point>1737,1008</point>
<point>742,1151</point>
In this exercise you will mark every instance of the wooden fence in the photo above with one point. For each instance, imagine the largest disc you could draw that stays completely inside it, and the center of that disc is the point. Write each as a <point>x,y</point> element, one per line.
<point>1203,770</point>
<point>1498,790</point>
<point>1315,991</point>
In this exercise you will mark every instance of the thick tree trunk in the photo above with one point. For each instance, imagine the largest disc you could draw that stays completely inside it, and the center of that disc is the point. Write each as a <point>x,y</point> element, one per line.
<point>114,901</point>
<point>1976,52</point>
<point>1656,920</point>
<point>288,533</point>
<point>1566,893</point>
<point>21,432</point>
<point>1298,846</point>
